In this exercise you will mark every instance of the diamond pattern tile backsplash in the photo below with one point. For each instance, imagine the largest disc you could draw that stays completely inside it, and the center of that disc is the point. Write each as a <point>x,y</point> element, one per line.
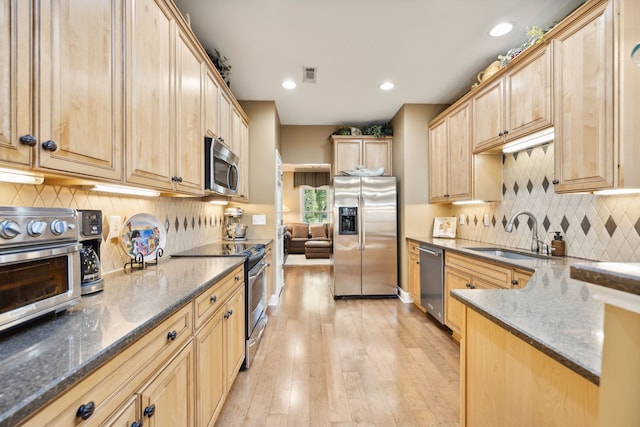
<point>188,221</point>
<point>603,228</point>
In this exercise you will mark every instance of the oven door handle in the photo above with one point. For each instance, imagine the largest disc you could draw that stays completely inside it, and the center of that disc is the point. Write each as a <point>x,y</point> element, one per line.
<point>262,268</point>
<point>35,253</point>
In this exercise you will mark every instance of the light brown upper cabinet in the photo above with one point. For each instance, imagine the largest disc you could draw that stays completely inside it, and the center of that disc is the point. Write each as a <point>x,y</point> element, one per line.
<point>225,125</point>
<point>76,94</point>
<point>164,97</point>
<point>454,173</point>
<point>351,152</point>
<point>211,104</point>
<point>16,137</point>
<point>151,36</point>
<point>515,104</point>
<point>596,99</point>
<point>240,140</point>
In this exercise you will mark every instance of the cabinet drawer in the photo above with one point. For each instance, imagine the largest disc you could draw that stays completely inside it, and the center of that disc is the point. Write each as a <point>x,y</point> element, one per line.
<point>214,297</point>
<point>111,385</point>
<point>494,274</point>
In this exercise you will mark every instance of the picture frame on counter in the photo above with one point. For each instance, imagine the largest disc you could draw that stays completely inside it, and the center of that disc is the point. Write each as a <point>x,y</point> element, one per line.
<point>444,226</point>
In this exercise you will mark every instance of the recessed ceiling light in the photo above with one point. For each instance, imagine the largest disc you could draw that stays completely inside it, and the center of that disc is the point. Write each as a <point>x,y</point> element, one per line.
<point>289,84</point>
<point>501,29</point>
<point>386,86</point>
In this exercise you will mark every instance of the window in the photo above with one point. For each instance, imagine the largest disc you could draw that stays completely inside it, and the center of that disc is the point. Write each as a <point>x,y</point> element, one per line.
<point>314,204</point>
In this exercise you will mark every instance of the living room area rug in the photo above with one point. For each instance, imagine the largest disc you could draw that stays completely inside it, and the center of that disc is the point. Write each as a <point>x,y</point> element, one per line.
<point>299,260</point>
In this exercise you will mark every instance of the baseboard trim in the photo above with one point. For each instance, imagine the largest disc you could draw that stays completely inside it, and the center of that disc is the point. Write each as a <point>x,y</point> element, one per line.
<point>405,297</point>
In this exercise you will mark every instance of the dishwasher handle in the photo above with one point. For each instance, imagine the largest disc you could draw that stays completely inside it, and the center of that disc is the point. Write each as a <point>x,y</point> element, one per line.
<point>421,249</point>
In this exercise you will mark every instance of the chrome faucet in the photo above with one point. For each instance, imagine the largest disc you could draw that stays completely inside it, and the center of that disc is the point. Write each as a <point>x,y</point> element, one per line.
<point>534,239</point>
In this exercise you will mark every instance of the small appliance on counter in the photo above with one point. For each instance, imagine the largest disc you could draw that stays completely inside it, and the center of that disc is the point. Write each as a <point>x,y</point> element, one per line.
<point>233,228</point>
<point>90,238</point>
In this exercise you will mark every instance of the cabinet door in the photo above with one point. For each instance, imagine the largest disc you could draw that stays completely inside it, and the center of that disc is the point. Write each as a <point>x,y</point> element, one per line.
<point>240,140</point>
<point>459,149</point>
<point>235,334</point>
<point>189,127</point>
<point>79,86</point>
<point>520,278</point>
<point>528,95</point>
<point>454,309</point>
<point>171,393</point>
<point>225,124</point>
<point>583,106</point>
<point>488,116</point>
<point>211,381</point>
<point>376,153</point>
<point>127,414</point>
<point>149,46</point>
<point>346,155</point>
<point>211,104</point>
<point>414,275</point>
<point>438,162</point>
<point>15,82</point>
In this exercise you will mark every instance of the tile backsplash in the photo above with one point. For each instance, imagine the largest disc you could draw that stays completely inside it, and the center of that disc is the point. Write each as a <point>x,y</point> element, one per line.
<point>190,222</point>
<point>603,228</point>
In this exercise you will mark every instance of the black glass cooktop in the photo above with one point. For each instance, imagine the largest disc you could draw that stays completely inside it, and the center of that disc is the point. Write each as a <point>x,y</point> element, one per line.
<point>219,249</point>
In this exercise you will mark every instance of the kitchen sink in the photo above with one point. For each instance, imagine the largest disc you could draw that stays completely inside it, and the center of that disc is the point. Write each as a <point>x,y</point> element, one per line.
<point>508,253</point>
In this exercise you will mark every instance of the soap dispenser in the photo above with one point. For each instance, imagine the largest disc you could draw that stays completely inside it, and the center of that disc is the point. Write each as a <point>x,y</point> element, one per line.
<point>558,245</point>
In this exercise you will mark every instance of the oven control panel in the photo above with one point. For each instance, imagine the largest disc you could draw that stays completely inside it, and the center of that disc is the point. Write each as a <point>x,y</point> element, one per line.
<point>27,226</point>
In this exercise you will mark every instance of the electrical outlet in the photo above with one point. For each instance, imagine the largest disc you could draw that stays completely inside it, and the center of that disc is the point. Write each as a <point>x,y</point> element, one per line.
<point>461,219</point>
<point>259,219</point>
<point>486,220</point>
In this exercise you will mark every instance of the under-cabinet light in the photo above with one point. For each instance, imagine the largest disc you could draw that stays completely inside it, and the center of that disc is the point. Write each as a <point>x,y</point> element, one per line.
<point>537,138</point>
<point>617,192</point>
<point>20,177</point>
<point>468,202</point>
<point>218,202</point>
<point>121,189</point>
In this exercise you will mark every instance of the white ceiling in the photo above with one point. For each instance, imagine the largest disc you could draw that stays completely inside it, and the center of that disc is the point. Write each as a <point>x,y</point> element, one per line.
<point>431,49</point>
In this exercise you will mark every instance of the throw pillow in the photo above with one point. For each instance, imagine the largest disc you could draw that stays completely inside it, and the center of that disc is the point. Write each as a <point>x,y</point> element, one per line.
<point>318,231</point>
<point>300,231</point>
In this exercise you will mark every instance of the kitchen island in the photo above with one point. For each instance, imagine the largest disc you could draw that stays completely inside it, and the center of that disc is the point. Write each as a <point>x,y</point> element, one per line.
<point>40,361</point>
<point>529,356</point>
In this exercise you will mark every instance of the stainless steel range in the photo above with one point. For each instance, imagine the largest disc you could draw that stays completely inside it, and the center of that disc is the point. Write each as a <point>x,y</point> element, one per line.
<point>39,263</point>
<point>255,281</point>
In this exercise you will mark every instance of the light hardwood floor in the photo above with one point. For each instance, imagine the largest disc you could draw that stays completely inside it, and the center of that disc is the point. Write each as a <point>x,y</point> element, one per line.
<point>326,362</point>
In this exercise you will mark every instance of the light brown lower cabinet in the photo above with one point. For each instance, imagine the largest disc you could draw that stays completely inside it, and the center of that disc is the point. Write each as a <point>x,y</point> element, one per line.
<point>508,382</point>
<point>414,274</point>
<point>175,375</point>
<point>463,272</point>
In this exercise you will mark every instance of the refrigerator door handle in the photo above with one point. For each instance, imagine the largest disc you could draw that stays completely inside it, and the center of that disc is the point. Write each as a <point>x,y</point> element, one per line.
<point>362,220</point>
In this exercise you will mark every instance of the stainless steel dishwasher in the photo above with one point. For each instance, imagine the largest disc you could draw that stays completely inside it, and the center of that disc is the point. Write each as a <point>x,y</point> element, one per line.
<point>432,280</point>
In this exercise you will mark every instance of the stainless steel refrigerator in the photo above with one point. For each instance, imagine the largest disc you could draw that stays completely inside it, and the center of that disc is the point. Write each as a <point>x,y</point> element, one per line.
<point>365,247</point>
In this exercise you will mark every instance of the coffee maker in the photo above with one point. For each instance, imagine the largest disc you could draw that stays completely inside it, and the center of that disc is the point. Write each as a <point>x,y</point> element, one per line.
<point>90,238</point>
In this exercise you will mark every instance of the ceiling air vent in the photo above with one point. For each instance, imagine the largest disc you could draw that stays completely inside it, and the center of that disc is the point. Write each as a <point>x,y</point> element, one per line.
<point>309,74</point>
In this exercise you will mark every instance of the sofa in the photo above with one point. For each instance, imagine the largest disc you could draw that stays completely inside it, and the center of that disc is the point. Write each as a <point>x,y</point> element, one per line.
<point>320,236</point>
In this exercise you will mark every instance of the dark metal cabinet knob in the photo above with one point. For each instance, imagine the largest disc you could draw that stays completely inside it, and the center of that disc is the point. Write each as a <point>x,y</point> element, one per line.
<point>514,282</point>
<point>29,140</point>
<point>556,181</point>
<point>172,335</point>
<point>85,411</point>
<point>213,299</point>
<point>136,423</point>
<point>50,145</point>
<point>149,411</point>
<point>506,132</point>
<point>500,134</point>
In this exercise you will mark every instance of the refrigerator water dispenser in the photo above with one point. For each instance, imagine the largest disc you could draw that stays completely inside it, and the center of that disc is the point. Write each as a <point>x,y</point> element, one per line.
<point>348,221</point>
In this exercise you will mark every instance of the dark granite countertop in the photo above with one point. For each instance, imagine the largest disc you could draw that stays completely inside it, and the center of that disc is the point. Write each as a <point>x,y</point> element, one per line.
<point>620,276</point>
<point>41,360</point>
<point>554,313</point>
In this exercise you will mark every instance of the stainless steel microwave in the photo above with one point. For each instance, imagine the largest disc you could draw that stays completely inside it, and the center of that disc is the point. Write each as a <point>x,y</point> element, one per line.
<point>220,168</point>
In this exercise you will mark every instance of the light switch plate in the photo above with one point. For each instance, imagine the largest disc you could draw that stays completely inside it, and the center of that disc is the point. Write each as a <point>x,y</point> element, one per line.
<point>259,219</point>
<point>461,219</point>
<point>115,222</point>
<point>486,220</point>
